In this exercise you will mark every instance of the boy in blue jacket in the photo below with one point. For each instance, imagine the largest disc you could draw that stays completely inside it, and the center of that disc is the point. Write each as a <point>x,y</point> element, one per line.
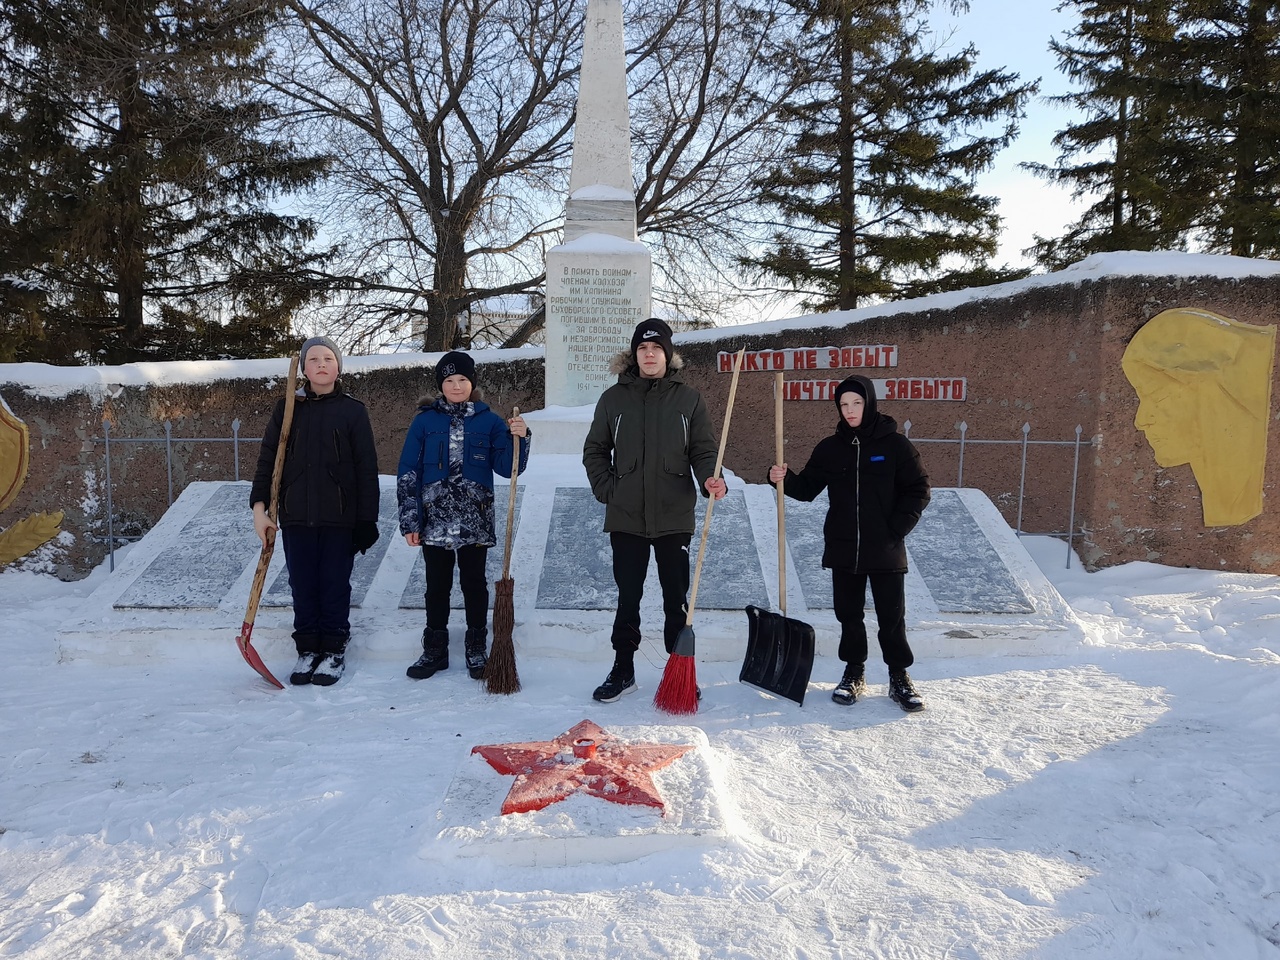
<point>444,488</point>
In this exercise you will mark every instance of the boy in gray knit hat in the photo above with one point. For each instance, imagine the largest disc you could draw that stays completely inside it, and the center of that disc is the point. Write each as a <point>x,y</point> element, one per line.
<point>328,508</point>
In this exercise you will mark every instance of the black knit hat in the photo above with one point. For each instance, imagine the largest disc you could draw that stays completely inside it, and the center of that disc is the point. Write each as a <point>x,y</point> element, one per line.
<point>455,363</point>
<point>652,330</point>
<point>867,391</point>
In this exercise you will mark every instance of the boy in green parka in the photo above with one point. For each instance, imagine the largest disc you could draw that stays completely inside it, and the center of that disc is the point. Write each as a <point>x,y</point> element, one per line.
<point>650,449</point>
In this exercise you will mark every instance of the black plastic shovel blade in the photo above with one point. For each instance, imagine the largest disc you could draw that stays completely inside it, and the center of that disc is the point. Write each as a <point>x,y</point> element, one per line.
<point>779,654</point>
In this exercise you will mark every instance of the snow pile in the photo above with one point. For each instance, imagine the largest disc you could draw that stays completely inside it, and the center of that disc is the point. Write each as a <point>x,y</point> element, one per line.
<point>1118,799</point>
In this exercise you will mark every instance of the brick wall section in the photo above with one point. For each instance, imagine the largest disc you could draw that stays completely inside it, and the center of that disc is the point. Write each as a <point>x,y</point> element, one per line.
<point>67,472</point>
<point>1140,511</point>
<point>1049,355</point>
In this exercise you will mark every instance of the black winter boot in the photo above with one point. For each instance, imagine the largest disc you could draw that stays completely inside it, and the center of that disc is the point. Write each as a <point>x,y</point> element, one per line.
<point>328,670</point>
<point>333,649</point>
<point>903,692</point>
<point>476,640</point>
<point>435,655</point>
<point>851,686</point>
<point>620,681</point>
<point>310,649</point>
<point>305,668</point>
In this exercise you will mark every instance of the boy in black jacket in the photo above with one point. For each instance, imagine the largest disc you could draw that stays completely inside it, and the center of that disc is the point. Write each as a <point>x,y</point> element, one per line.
<point>876,490</point>
<point>328,508</point>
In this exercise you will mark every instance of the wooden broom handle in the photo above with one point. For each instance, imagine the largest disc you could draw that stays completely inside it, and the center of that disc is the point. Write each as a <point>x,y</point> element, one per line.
<point>782,516</point>
<point>264,559</point>
<point>511,499</point>
<point>273,510</point>
<point>711,501</point>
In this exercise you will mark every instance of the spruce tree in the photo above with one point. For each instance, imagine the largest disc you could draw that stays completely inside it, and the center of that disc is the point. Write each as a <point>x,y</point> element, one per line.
<point>137,178</point>
<point>1180,141</point>
<point>876,198</point>
<point>1124,151</point>
<point>1229,112</point>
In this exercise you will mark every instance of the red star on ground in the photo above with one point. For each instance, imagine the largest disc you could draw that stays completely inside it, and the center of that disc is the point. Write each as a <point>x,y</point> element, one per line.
<point>547,771</point>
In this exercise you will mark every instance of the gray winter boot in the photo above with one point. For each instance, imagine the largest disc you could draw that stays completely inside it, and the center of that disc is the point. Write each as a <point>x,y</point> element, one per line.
<point>477,638</point>
<point>435,655</point>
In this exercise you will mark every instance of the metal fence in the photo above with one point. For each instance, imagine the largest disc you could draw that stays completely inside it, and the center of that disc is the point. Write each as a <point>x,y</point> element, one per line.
<point>1078,444</point>
<point>963,441</point>
<point>168,440</point>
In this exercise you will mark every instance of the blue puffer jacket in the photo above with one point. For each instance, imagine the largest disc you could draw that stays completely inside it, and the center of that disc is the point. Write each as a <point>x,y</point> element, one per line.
<point>424,460</point>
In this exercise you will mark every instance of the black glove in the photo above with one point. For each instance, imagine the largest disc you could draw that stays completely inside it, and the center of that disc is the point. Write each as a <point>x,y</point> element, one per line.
<point>364,536</point>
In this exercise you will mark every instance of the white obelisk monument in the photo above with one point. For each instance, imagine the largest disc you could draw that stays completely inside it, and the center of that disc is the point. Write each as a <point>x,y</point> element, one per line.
<point>599,280</point>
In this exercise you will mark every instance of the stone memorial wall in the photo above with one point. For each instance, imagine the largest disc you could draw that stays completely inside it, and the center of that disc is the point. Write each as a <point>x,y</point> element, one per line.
<point>1048,355</point>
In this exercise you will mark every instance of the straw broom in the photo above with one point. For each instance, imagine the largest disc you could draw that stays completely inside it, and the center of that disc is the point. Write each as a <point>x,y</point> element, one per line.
<point>500,675</point>
<point>678,690</point>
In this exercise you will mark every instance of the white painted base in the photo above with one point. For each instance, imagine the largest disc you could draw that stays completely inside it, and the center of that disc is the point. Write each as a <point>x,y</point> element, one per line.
<point>382,631</point>
<point>560,431</point>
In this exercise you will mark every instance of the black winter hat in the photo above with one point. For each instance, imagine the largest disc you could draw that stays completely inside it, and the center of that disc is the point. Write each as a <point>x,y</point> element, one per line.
<point>455,362</point>
<point>863,388</point>
<point>649,331</point>
<point>867,391</point>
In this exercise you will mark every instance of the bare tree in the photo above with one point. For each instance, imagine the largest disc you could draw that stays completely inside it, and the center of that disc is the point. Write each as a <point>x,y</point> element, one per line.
<point>450,120</point>
<point>705,101</point>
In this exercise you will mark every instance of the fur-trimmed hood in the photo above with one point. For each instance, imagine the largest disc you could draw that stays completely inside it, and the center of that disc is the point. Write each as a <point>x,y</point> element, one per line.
<point>427,399</point>
<point>622,360</point>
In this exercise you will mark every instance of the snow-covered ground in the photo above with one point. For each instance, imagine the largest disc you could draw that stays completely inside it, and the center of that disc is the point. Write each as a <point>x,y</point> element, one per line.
<point>1121,799</point>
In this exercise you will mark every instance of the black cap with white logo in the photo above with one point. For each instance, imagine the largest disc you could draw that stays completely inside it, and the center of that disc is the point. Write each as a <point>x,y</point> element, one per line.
<point>652,330</point>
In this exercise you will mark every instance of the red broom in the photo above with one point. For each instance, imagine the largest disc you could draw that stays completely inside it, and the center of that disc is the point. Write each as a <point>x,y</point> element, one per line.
<point>678,690</point>
<point>500,675</point>
<point>244,641</point>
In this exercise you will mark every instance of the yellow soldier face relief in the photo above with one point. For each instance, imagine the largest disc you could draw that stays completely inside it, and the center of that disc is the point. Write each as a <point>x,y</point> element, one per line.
<point>1204,390</point>
<point>13,455</point>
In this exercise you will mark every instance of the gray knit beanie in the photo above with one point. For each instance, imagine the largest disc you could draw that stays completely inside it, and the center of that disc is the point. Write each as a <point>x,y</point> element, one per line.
<point>319,342</point>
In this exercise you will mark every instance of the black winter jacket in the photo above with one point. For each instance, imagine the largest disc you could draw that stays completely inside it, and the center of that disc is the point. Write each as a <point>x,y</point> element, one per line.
<point>649,452</point>
<point>876,491</point>
<point>330,473</point>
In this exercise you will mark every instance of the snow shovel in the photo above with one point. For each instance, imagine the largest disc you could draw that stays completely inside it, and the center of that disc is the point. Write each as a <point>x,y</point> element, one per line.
<point>678,690</point>
<point>500,675</point>
<point>264,560</point>
<point>779,650</point>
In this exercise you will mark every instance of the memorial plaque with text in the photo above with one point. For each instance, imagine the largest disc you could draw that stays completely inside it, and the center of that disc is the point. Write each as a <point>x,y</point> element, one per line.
<point>594,301</point>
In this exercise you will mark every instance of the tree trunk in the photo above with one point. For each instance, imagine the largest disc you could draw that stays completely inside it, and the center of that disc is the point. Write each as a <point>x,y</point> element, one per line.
<point>847,294</point>
<point>130,246</point>
<point>1249,125</point>
<point>450,297</point>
